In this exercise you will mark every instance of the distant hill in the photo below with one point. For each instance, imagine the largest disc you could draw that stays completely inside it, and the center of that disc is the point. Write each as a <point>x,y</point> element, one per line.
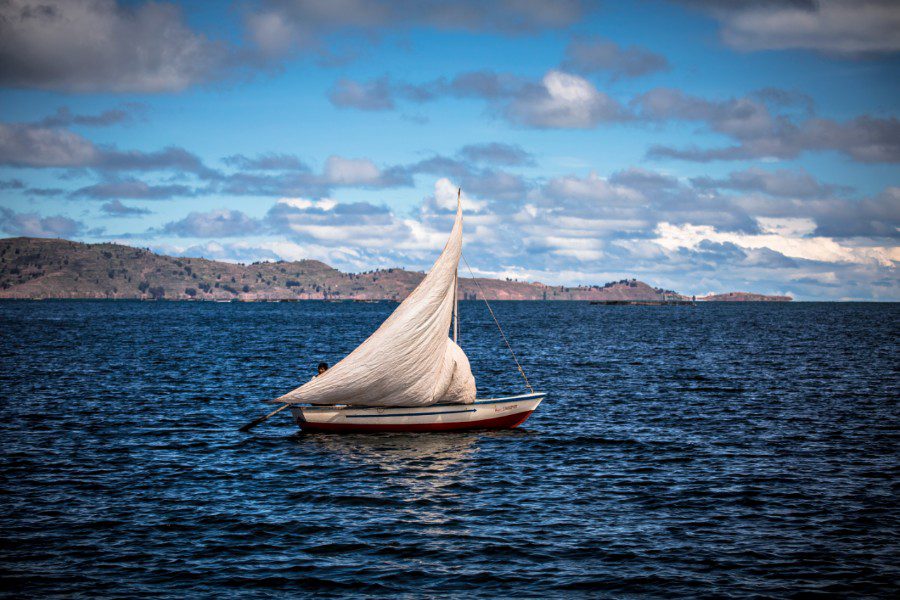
<point>38,268</point>
<point>744,297</point>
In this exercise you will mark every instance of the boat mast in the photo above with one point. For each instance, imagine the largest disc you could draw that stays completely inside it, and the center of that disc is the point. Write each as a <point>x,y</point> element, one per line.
<point>456,284</point>
<point>455,307</point>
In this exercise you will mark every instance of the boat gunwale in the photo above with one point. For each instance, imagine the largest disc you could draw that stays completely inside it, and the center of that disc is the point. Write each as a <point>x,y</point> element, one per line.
<point>418,414</point>
<point>343,407</point>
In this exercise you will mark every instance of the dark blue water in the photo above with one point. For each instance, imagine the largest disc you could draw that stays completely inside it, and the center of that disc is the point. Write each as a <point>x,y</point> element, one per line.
<point>729,450</point>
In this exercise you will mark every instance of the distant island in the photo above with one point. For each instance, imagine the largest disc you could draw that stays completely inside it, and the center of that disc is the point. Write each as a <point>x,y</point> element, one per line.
<point>745,297</point>
<point>40,268</point>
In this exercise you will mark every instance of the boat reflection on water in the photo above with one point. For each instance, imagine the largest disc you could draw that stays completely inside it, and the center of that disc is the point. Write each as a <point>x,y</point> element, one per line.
<point>425,473</point>
<point>400,452</point>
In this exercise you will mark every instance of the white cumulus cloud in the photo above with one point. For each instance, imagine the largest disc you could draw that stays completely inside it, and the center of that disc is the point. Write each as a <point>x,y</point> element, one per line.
<point>785,236</point>
<point>566,101</point>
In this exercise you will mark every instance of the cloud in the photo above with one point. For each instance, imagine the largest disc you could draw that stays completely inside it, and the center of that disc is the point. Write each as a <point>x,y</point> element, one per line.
<point>474,84</point>
<point>762,133</point>
<point>367,235</point>
<point>643,179</point>
<point>592,229</point>
<point>592,188</point>
<point>236,251</point>
<point>102,46</point>
<point>46,192</point>
<point>281,25</point>
<point>285,175</point>
<point>837,216</point>
<point>757,226</point>
<point>443,165</point>
<point>349,171</point>
<point>272,174</point>
<point>372,95</point>
<point>11,184</point>
<point>133,189</point>
<point>248,251</point>
<point>562,101</point>
<point>877,216</point>
<point>271,31</point>
<point>495,185</point>
<point>33,146</point>
<point>149,47</point>
<point>850,28</point>
<point>559,100</point>
<point>777,98</point>
<point>64,117</point>
<point>595,55</point>
<point>382,93</point>
<point>790,237</point>
<point>476,179</point>
<point>496,153</point>
<point>445,194</point>
<point>783,183</point>
<point>767,123</point>
<point>866,139</point>
<point>169,158</point>
<point>290,183</point>
<point>358,224</point>
<point>631,203</point>
<point>216,223</point>
<point>266,162</point>
<point>324,204</point>
<point>26,146</point>
<point>33,225</point>
<point>362,172</point>
<point>115,208</point>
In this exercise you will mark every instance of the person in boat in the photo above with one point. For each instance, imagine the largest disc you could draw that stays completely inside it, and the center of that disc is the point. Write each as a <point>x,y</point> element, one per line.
<point>323,366</point>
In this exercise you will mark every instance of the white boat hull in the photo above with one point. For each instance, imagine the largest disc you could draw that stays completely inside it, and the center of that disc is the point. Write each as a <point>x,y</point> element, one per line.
<point>494,413</point>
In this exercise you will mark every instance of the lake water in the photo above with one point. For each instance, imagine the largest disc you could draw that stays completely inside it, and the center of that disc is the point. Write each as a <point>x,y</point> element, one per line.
<point>723,449</point>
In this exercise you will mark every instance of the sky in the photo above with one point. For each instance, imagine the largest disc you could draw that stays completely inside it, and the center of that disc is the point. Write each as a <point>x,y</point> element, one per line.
<point>698,146</point>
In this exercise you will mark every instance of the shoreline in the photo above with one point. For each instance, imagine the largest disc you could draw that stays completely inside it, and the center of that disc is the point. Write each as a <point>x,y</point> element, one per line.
<point>390,301</point>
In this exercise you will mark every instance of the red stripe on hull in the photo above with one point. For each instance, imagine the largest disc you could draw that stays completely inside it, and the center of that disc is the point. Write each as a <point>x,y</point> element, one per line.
<point>504,422</point>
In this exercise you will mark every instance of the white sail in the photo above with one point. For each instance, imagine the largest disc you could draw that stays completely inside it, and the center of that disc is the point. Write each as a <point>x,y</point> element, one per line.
<point>410,360</point>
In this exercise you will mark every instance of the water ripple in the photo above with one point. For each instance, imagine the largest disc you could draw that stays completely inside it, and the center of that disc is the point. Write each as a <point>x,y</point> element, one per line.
<point>722,450</point>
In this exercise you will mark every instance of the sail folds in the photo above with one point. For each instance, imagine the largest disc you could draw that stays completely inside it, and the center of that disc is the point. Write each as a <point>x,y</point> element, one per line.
<point>409,360</point>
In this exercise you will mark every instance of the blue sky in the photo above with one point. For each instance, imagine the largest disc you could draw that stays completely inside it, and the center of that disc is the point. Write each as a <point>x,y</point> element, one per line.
<point>699,146</point>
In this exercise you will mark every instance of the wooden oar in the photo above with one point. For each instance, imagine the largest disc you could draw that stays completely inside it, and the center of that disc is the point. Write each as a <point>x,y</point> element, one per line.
<point>256,422</point>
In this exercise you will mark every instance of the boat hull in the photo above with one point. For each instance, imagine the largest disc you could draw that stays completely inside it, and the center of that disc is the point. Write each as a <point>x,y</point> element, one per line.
<point>494,413</point>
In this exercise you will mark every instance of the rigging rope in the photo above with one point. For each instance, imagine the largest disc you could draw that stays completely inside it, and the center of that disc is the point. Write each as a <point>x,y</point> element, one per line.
<point>484,297</point>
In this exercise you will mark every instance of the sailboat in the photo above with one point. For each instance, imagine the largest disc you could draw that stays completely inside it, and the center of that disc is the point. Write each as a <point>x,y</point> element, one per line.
<point>410,375</point>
